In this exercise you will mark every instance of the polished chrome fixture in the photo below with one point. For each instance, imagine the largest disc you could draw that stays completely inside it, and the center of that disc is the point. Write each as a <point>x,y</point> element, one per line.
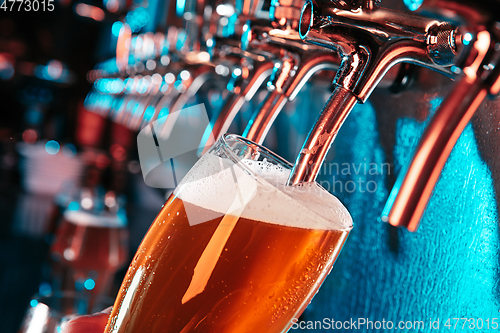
<point>369,40</point>
<point>297,62</point>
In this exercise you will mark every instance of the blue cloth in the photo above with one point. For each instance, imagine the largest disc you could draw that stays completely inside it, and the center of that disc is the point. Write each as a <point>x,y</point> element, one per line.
<point>449,268</point>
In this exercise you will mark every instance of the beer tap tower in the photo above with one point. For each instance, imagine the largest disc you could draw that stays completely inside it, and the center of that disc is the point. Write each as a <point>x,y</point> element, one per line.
<point>362,41</point>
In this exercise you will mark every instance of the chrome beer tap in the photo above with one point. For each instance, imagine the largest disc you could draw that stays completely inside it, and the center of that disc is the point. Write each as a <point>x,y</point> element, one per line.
<point>251,71</point>
<point>246,78</point>
<point>478,73</point>
<point>194,61</point>
<point>274,49</point>
<point>177,74</point>
<point>297,63</point>
<point>370,40</point>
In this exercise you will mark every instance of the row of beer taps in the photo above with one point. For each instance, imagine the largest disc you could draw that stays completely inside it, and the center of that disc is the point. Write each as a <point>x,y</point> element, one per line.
<point>242,47</point>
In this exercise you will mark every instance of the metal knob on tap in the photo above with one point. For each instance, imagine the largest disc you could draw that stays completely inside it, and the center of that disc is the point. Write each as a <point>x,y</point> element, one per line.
<point>442,41</point>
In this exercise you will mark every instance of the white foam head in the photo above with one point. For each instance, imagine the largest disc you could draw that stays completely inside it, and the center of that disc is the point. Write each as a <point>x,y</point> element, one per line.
<point>258,188</point>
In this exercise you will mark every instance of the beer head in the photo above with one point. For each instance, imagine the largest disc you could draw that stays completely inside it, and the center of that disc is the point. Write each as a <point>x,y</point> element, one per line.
<point>240,178</point>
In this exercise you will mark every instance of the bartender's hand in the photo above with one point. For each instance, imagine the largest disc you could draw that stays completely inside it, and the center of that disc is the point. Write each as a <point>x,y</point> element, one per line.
<point>94,323</point>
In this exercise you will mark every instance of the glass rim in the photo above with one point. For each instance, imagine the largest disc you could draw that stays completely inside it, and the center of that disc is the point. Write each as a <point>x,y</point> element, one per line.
<point>249,143</point>
<point>233,137</point>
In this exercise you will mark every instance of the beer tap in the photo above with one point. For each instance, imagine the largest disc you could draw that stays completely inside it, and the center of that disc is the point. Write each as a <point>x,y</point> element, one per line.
<point>221,42</point>
<point>139,84</point>
<point>251,71</point>
<point>194,62</point>
<point>185,68</point>
<point>246,79</point>
<point>248,70</point>
<point>369,40</point>
<point>276,50</point>
<point>298,62</point>
<point>478,73</point>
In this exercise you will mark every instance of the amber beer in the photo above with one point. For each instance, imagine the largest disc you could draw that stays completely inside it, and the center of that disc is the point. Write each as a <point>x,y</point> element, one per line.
<point>253,271</point>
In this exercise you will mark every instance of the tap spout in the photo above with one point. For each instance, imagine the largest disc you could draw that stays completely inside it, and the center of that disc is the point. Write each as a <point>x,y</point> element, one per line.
<point>321,136</point>
<point>369,41</point>
<point>244,89</point>
<point>413,188</point>
<point>289,76</point>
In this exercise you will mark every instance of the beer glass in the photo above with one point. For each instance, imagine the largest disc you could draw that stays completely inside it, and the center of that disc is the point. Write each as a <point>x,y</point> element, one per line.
<point>233,249</point>
<point>90,246</point>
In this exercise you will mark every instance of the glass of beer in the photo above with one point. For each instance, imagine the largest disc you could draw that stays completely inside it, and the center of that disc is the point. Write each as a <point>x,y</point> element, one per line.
<point>90,246</point>
<point>233,249</point>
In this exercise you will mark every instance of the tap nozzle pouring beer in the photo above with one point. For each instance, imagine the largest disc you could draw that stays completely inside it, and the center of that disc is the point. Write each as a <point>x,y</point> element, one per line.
<point>370,40</point>
<point>297,62</point>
